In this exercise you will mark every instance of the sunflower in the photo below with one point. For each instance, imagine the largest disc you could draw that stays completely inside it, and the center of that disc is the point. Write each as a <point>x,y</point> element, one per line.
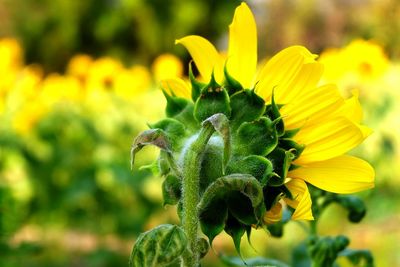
<point>319,118</point>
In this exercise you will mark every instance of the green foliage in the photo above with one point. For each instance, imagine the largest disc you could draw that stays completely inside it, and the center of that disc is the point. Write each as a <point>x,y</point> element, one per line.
<point>160,246</point>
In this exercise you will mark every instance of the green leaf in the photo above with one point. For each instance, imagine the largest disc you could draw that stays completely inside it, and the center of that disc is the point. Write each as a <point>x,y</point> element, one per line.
<point>213,99</point>
<point>160,246</point>
<point>257,166</point>
<point>171,190</point>
<point>254,262</point>
<point>256,138</point>
<point>221,125</point>
<point>155,137</point>
<point>246,106</point>
<point>213,206</point>
<point>174,129</point>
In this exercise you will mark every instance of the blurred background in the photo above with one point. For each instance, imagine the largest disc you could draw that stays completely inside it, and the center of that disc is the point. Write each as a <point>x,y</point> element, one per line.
<point>79,80</point>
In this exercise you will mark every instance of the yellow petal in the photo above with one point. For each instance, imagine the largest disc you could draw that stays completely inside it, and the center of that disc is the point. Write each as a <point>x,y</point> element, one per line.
<point>176,87</point>
<point>204,55</point>
<point>242,51</point>
<point>301,200</point>
<point>312,106</point>
<point>343,175</point>
<point>274,215</point>
<point>352,108</point>
<point>281,69</point>
<point>305,80</point>
<point>328,139</point>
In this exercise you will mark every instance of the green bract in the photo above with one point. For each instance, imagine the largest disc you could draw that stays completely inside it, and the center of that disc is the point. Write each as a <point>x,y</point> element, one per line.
<point>243,163</point>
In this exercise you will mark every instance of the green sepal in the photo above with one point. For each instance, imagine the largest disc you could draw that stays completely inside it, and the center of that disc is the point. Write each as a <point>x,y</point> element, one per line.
<point>290,145</point>
<point>156,137</point>
<point>257,166</point>
<point>281,160</point>
<point>256,138</point>
<point>171,190</point>
<point>175,105</point>
<point>196,85</point>
<point>174,129</point>
<point>160,246</point>
<point>213,99</point>
<point>180,109</point>
<point>236,230</point>
<point>253,262</point>
<point>213,206</point>
<point>246,106</point>
<point>203,247</point>
<point>231,84</point>
<point>221,125</point>
<point>290,133</point>
<point>272,111</point>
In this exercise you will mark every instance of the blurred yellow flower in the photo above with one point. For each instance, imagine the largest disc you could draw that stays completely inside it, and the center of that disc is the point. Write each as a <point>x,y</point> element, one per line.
<point>167,66</point>
<point>79,66</point>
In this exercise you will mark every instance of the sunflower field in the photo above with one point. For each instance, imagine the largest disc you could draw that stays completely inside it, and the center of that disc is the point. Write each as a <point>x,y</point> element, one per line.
<point>199,133</point>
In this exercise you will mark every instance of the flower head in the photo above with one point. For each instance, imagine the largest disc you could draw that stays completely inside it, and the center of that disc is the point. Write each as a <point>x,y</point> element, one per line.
<point>287,130</point>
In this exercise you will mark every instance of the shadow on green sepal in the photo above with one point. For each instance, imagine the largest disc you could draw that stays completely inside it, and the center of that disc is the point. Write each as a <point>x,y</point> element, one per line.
<point>196,85</point>
<point>272,194</point>
<point>213,99</point>
<point>276,229</point>
<point>353,204</point>
<point>256,138</point>
<point>214,206</point>
<point>160,246</point>
<point>203,246</point>
<point>272,111</point>
<point>236,230</point>
<point>171,190</point>
<point>257,166</point>
<point>231,84</point>
<point>253,262</point>
<point>246,106</point>
<point>281,160</point>
<point>290,145</point>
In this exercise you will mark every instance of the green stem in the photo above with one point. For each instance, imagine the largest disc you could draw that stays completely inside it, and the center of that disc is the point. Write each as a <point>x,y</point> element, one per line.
<point>191,197</point>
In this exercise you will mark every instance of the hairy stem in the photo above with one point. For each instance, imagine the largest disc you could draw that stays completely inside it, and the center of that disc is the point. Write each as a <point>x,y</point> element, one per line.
<point>191,198</point>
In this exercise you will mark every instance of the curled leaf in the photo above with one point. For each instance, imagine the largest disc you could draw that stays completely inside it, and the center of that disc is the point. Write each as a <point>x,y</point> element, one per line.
<point>159,246</point>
